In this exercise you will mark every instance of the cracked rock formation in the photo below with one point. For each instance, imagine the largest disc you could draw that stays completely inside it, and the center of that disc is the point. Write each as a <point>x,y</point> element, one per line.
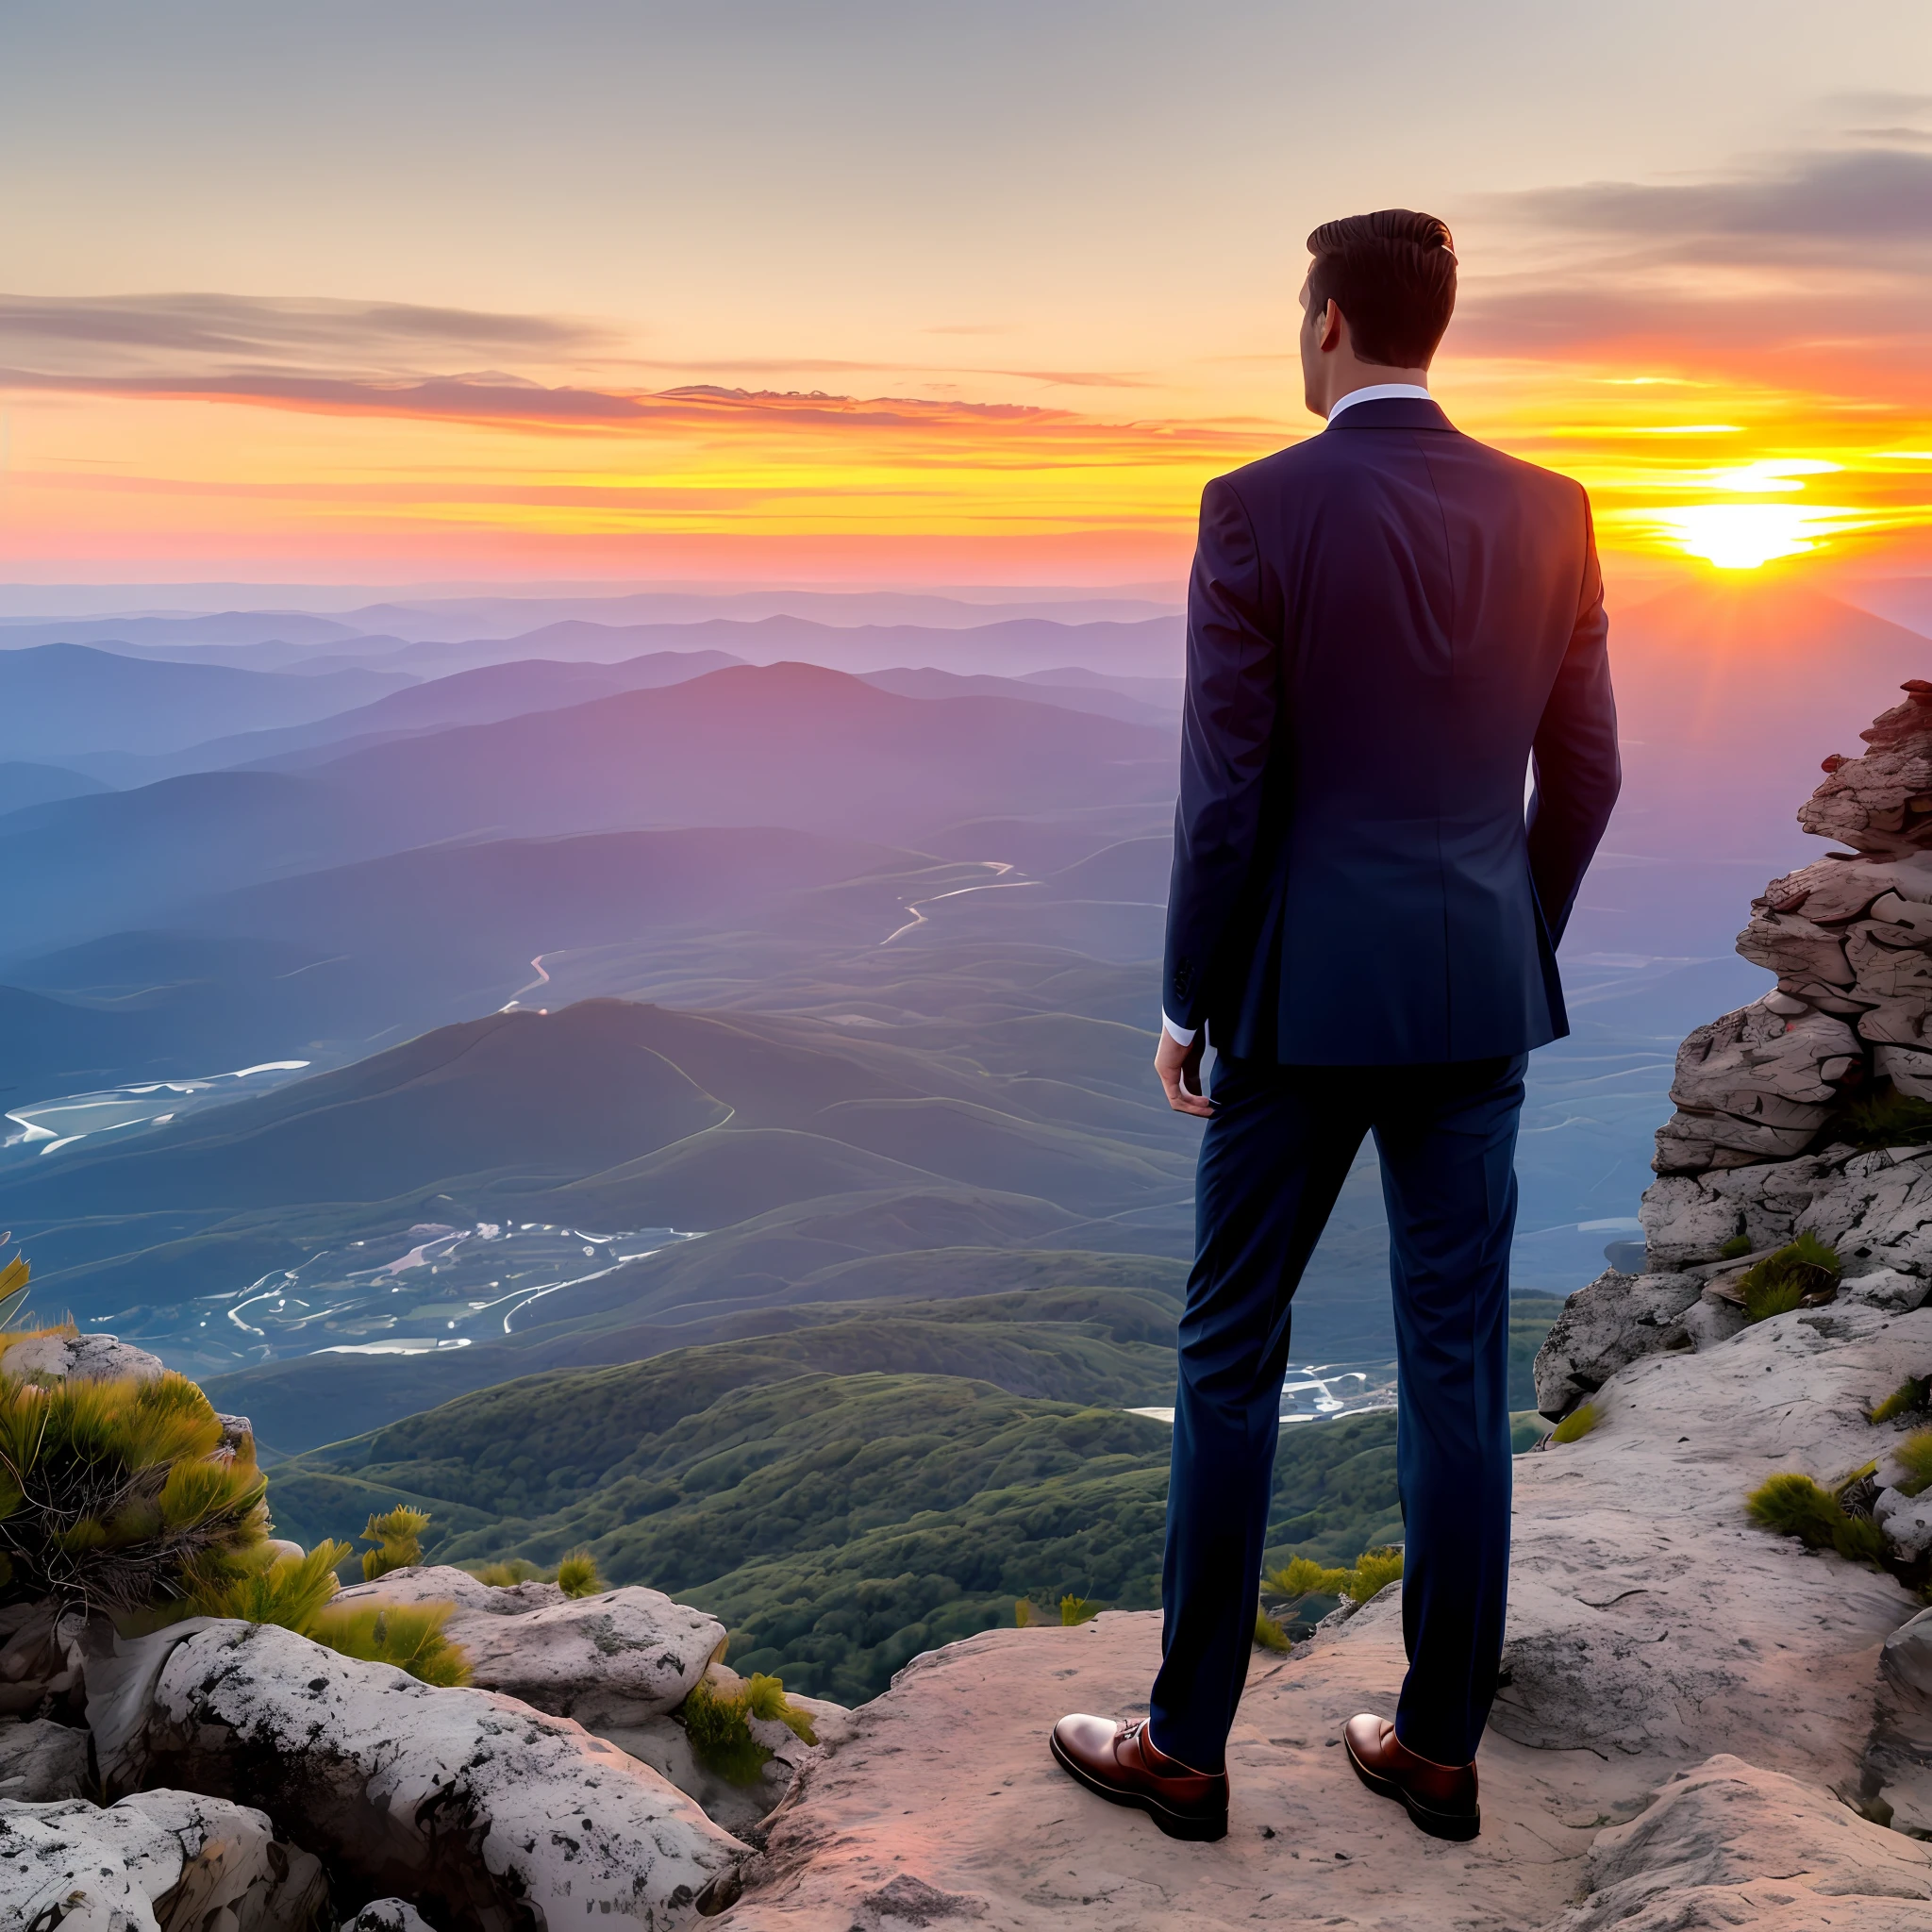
<point>619,1663</point>
<point>1850,940</point>
<point>157,1862</point>
<point>476,1808</point>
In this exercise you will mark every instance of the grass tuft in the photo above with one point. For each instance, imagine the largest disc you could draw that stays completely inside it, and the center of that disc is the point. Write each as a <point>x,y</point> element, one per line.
<point>1738,1246</point>
<point>1792,1505</point>
<point>577,1576</point>
<point>1269,1635</point>
<point>397,1535</point>
<point>1883,1118</point>
<point>409,1636</point>
<point>1374,1570</point>
<point>1781,1281</point>
<point>1902,1400</point>
<point>1077,1610</point>
<point>1024,1614</point>
<point>1915,1455</point>
<point>1577,1424</point>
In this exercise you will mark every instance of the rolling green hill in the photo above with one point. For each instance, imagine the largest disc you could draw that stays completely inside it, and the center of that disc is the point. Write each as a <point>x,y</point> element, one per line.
<point>868,1483</point>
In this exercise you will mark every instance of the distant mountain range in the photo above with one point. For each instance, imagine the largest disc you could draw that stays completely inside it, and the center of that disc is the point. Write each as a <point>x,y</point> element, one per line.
<point>59,700</point>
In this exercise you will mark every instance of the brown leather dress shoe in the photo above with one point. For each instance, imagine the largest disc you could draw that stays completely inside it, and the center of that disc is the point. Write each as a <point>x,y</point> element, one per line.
<point>1440,1798</point>
<point>1121,1763</point>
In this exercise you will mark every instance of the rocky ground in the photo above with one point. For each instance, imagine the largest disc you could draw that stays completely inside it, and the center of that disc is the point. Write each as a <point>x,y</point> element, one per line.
<point>1655,1636</point>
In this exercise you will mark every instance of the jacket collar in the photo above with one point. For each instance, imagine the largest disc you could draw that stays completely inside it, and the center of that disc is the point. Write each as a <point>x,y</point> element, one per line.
<point>1391,412</point>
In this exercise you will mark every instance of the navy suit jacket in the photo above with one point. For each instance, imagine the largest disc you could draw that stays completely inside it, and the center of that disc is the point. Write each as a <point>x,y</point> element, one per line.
<point>1387,625</point>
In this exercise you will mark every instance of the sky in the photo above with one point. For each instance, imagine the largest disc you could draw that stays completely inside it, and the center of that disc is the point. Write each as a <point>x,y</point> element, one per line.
<point>915,293</point>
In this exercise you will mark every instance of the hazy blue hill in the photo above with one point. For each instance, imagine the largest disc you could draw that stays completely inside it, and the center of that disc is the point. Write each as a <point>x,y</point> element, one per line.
<point>1136,870</point>
<point>296,630</point>
<point>452,919</point>
<point>65,698</point>
<point>780,744</point>
<point>78,868</point>
<point>560,1094</point>
<point>719,1178</point>
<point>1097,697</point>
<point>1006,646</point>
<point>465,697</point>
<point>24,784</point>
<point>1725,713</point>
<point>989,1149</point>
<point>327,963</point>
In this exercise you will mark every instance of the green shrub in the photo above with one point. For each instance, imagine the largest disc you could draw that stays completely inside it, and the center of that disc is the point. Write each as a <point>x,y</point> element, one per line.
<point>1792,1505</point>
<point>397,1535</point>
<point>289,1591</point>
<point>720,1737</point>
<point>1304,1577</point>
<point>1736,1248</point>
<point>1915,1455</point>
<point>1269,1635</point>
<point>1882,1118</point>
<point>1374,1570</point>
<point>1076,1610</point>
<point>1577,1424</point>
<point>112,1491</point>
<point>1902,1400</point>
<point>765,1698</point>
<point>1024,1614</point>
<point>1781,1281</point>
<point>577,1576</point>
<point>409,1636</point>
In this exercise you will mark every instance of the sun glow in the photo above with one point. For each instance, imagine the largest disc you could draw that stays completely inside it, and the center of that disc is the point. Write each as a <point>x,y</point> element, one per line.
<point>1745,536</point>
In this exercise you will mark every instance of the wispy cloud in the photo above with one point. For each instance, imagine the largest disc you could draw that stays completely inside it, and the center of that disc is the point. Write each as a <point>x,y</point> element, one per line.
<point>103,336</point>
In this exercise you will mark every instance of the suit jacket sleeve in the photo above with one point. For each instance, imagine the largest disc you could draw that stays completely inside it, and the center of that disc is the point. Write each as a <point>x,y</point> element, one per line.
<point>1227,732</point>
<point>1577,770</point>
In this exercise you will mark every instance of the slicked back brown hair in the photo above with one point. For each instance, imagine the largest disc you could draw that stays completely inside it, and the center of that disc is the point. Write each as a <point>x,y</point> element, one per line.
<point>1392,274</point>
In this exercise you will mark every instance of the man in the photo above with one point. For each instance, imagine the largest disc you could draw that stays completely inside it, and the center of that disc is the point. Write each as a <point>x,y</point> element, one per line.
<point>1388,626</point>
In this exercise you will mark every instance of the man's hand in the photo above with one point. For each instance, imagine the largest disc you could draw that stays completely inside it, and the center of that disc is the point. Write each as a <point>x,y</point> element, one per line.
<point>1179,1068</point>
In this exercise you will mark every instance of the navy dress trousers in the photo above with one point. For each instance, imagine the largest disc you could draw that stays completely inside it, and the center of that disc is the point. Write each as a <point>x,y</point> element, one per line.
<point>1391,629</point>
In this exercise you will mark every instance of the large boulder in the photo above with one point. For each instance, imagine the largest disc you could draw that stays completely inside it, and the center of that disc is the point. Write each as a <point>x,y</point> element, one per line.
<point>1729,1844</point>
<point>1606,1326</point>
<point>620,1657</point>
<point>469,1804</point>
<point>60,1355</point>
<point>157,1862</point>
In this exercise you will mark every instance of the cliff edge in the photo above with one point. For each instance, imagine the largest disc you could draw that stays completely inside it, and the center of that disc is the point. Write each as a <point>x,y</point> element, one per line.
<point>1704,1722</point>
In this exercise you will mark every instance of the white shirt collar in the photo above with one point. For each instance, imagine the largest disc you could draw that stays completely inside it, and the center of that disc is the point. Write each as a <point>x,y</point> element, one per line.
<point>1381,392</point>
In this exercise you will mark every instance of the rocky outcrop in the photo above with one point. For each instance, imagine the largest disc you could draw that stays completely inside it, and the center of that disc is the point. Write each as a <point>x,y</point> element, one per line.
<point>1850,940</point>
<point>618,1658</point>
<point>621,1663</point>
<point>476,1807</point>
<point>1729,1844</point>
<point>1606,1327</point>
<point>157,1862</point>
<point>63,1354</point>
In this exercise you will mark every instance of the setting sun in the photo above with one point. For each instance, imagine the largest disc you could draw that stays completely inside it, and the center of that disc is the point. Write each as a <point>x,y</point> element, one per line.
<point>1744,535</point>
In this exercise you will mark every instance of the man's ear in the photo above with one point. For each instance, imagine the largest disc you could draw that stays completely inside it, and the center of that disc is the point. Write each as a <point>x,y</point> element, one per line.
<point>1331,325</point>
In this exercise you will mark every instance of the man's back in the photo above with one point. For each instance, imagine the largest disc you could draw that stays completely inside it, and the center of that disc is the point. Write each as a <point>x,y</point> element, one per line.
<point>1383,621</point>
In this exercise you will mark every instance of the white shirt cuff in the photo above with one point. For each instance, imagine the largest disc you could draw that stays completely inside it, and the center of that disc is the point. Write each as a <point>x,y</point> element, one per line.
<point>1181,1036</point>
